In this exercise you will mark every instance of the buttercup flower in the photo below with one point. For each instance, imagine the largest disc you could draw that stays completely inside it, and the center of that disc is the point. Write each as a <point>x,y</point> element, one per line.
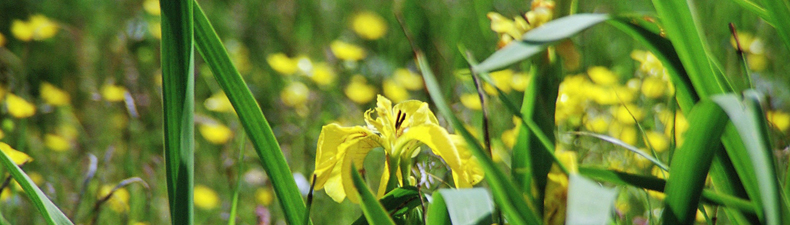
<point>53,95</point>
<point>400,131</point>
<point>282,64</point>
<point>218,102</point>
<point>394,90</point>
<point>471,101</point>
<point>359,91</point>
<point>295,94</point>
<point>346,51</point>
<point>19,107</point>
<point>408,79</point>
<point>38,27</point>
<point>56,143</point>
<point>119,202</point>
<point>113,93</point>
<point>369,26</point>
<point>215,133</point>
<point>205,198</point>
<point>152,7</point>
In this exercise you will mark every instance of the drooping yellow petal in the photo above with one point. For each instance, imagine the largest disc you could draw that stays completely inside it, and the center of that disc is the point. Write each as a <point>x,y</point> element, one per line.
<point>353,152</point>
<point>19,107</point>
<point>18,157</point>
<point>471,173</point>
<point>330,148</point>
<point>440,143</point>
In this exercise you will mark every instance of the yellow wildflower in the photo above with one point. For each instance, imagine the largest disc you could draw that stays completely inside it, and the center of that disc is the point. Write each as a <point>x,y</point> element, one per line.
<point>757,62</point>
<point>628,114</point>
<point>5,194</point>
<point>53,95</point>
<point>611,95</point>
<point>501,79</point>
<point>597,125</point>
<point>520,82</point>
<point>394,91</point>
<point>400,130</point>
<point>359,91</point>
<point>113,93</point>
<point>264,196</point>
<point>555,202</point>
<point>152,7</point>
<point>323,74</point>
<point>205,198</point>
<point>346,51</point>
<point>282,64</point>
<point>602,76</point>
<point>657,140</point>
<point>215,133</point>
<point>56,143</point>
<point>649,63</point>
<point>653,87</point>
<point>369,25</point>
<point>38,27</point>
<point>17,157</point>
<point>471,101</point>
<point>18,107</point>
<point>745,39</point>
<point>119,201</point>
<point>218,102</point>
<point>625,133</point>
<point>295,94</point>
<point>779,119</point>
<point>408,79</point>
<point>155,28</point>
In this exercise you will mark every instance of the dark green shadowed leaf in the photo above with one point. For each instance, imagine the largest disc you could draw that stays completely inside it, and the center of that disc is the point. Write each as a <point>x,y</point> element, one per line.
<point>511,202</point>
<point>251,117</point>
<point>371,207</point>
<point>397,202</point>
<point>588,201</point>
<point>691,163</point>
<point>537,39</point>
<point>178,93</point>
<point>51,213</point>
<point>749,119</point>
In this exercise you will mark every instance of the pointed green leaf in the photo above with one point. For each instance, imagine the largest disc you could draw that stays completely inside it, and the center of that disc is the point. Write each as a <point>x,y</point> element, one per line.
<point>371,207</point>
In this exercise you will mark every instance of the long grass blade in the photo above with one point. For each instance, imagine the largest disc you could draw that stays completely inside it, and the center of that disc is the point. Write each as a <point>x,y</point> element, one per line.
<point>511,201</point>
<point>251,117</point>
<point>371,208</point>
<point>178,92</point>
<point>51,213</point>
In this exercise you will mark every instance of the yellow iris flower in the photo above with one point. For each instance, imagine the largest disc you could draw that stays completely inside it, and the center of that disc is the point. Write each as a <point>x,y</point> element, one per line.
<point>400,131</point>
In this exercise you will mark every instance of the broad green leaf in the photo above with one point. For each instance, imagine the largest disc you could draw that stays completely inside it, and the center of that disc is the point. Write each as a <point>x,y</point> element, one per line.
<point>437,212</point>
<point>588,201</point>
<point>468,206</point>
<point>749,119</point>
<point>657,184</point>
<point>537,39</point>
<point>178,93</point>
<point>691,162</point>
<point>51,213</point>
<point>511,202</point>
<point>371,207</point>
<point>251,117</point>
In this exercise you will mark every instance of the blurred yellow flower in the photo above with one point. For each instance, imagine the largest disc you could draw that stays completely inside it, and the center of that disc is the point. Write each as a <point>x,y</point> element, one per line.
<point>625,133</point>
<point>152,7</point>
<point>5,194</point>
<point>628,114</point>
<point>597,125</point>
<point>408,79</point>
<point>155,28</point>
<point>18,107</point>
<point>520,82</point>
<point>119,202</point>
<point>779,119</point>
<point>602,76</point>
<point>282,64</point>
<point>648,62</point>
<point>369,25</point>
<point>346,51</point>
<point>113,93</point>
<point>555,202</point>
<point>205,198</point>
<point>215,133</point>
<point>295,94</point>
<point>264,196</point>
<point>38,27</point>
<point>53,95</point>
<point>218,102</point>
<point>653,87</point>
<point>56,143</point>
<point>395,91</point>
<point>657,140</point>
<point>745,39</point>
<point>757,62</point>
<point>610,95</point>
<point>501,79</point>
<point>359,91</point>
<point>323,74</point>
<point>18,157</point>
<point>471,101</point>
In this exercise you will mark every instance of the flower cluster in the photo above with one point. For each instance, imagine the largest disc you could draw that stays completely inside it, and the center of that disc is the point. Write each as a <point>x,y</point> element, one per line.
<point>509,30</point>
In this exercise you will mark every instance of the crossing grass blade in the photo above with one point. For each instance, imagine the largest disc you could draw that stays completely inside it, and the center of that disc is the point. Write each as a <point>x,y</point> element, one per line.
<point>692,161</point>
<point>251,117</point>
<point>51,213</point>
<point>178,93</point>
<point>371,208</point>
<point>511,202</point>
